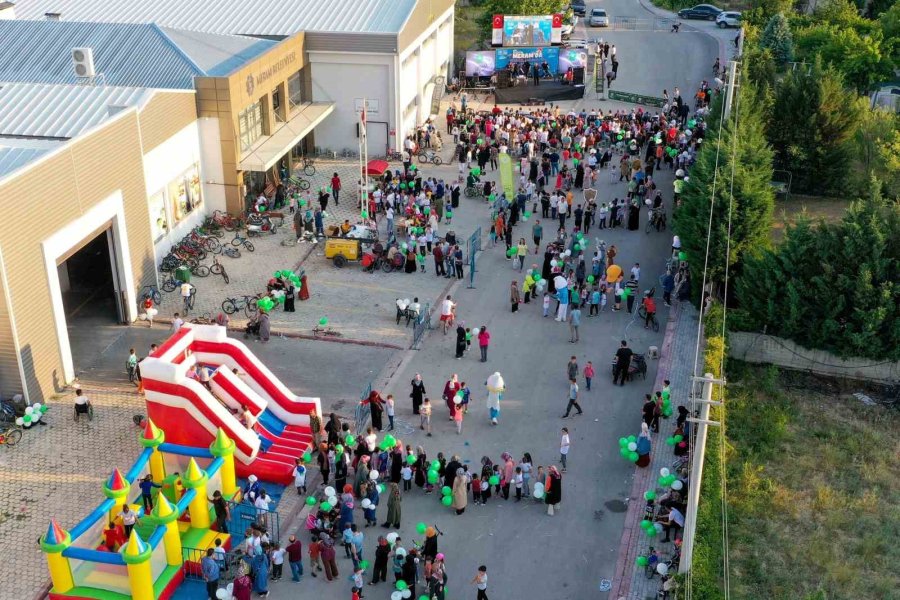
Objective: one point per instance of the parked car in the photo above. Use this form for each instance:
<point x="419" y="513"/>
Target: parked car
<point x="578" y="7"/>
<point x="568" y="27"/>
<point x="599" y="18"/>
<point x="729" y="18"/>
<point x="706" y="12"/>
<point x="575" y="43"/>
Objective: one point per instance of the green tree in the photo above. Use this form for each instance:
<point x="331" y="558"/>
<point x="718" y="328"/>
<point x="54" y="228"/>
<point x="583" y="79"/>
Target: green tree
<point x="518" y="7"/>
<point x="812" y="122"/>
<point x="863" y="58"/>
<point x="834" y="287"/>
<point x="877" y="148"/>
<point x="741" y="150"/>
<point x="777" y="38"/>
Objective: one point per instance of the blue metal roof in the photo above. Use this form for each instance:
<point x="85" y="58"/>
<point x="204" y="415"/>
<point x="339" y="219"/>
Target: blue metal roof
<point x="128" y="55"/>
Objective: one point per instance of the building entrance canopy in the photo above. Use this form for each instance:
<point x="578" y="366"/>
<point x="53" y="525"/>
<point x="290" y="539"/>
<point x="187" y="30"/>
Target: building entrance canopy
<point x="270" y="149"/>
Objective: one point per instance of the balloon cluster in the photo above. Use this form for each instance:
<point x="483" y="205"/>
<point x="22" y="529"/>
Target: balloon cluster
<point x="667" y="479"/>
<point x="388" y="443"/>
<point x="628" y="448"/>
<point x="433" y="475"/>
<point x="226" y="593"/>
<point x="675" y="439"/>
<point x="32" y="415"/>
<point x="651" y="528"/>
<point x="447" y="495"/>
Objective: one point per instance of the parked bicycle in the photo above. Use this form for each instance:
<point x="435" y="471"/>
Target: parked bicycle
<point x="170" y="284"/>
<point x="226" y="221"/>
<point x="216" y="268"/>
<point x="326" y="331"/>
<point x="301" y="183"/>
<point x="150" y="291"/>
<point x="656" y="221"/>
<point x="11" y="435"/>
<point x="240" y="240"/>
<point x="394" y="155"/>
<point x="245" y="303"/>
<point x="309" y="166"/>
<point x="204" y="319"/>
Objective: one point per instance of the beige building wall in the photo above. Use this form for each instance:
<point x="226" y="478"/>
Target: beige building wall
<point x="70" y="182"/>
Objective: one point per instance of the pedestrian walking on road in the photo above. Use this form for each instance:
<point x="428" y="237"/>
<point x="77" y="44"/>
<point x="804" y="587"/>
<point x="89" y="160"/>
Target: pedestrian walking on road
<point x="574" y="323"/>
<point x="335" y="188"/>
<point x="514" y="296"/>
<point x="495" y="386"/>
<point x="572" y="368"/>
<point x="418" y="392"/>
<point x="623" y="361"/>
<point x="425" y="417"/>
<point x="484" y="340"/>
<point x="588" y="374"/>
<point x="393" y="505"/>
<point x="480" y="582"/>
<point x="573" y="398"/>
<point x="564" y="448"/>
<point x="460" y="497"/>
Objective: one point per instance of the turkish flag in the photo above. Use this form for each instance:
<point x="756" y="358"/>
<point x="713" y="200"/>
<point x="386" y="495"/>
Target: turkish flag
<point x="498" y="22"/>
<point x="557" y="21"/>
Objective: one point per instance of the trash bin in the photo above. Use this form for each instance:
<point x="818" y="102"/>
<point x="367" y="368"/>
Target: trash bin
<point x="303" y="294"/>
<point x="183" y="274"/>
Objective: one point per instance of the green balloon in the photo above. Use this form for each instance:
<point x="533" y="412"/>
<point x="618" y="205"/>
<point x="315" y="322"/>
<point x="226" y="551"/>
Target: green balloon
<point x="527" y="214"/>
<point x="649" y="495"/>
<point x="678" y="438"/>
<point x="307" y="456"/>
<point x="339" y="449"/>
<point x="421" y="528"/>
<point x="446" y="491"/>
<point x="401" y="585"/>
<point x="642" y="561"/>
<point x="682" y="256"/>
<point x="670" y="441"/>
<point x="590" y="278"/>
<point x="650" y="531"/>
<point x="350" y="440"/>
<point x="435" y="465"/>
<point x="323" y="321"/>
<point x="381" y="488"/>
<point x="310" y="500"/>
<point x="624" y="452"/>
<point x="494" y="480"/>
<point x="646" y="523"/>
<point x="447" y="500"/>
<point x="326" y="506"/>
<point x="623" y="442"/>
<point x="511" y="252"/>
<point x="433" y="477"/>
<point x="363" y="564"/>
<point x="411" y="459"/>
<point x="364" y="214"/>
<point x="633" y="456"/>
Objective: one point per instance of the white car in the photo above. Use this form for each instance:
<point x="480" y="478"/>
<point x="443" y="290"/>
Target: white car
<point x="578" y="43"/>
<point x="598" y="18"/>
<point x="568" y="27"/>
<point x="729" y="18"/>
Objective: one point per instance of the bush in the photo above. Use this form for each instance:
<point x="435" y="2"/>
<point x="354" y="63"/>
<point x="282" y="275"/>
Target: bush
<point x="777" y="38"/>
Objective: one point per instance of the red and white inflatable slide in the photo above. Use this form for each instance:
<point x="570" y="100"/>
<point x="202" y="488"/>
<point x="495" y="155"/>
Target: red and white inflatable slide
<point x="191" y="414"/>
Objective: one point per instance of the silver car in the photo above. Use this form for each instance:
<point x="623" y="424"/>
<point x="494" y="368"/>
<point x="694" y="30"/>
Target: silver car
<point x="598" y="18"/>
<point x="729" y="18"/>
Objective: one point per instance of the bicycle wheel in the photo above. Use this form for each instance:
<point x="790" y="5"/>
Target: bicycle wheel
<point x="251" y="308"/>
<point x="309" y="170"/>
<point x="215" y="268"/>
<point x="201" y="271"/>
<point x="169" y="285"/>
<point x="642" y="313"/>
<point x="229" y="307"/>
<point x="437" y="160"/>
<point x="156" y="297"/>
<point x="303" y="185"/>
<point x="648" y="226"/>
<point x="12" y="437"/>
<point x="212" y="244"/>
<point x="232" y="252"/>
<point x="423" y="158"/>
<point x="237" y="241"/>
<point x="249" y="246"/>
<point x="225" y="276"/>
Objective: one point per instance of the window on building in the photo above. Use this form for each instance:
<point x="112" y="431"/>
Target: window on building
<point x="159" y="221"/>
<point x="185" y="193"/>
<point x="250" y="123"/>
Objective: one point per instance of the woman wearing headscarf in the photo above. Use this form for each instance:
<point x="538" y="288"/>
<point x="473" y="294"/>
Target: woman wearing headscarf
<point x="421" y="466"/>
<point x="382" y="552"/>
<point x="243" y="587"/>
<point x="396" y="463"/>
<point x="333" y="428"/>
<point x="553" y="490"/>
<point x="514" y="297"/>
<point x="418" y="392"/>
<point x="460" y="339"/>
<point x="643" y="446"/>
<point x="362" y="475"/>
<point x="460" y="498"/>
<point x="260" y="564"/>
<point x="376" y="406"/>
<point x="410" y="571"/>
<point x="393" y="504"/>
<point x="328" y="555"/>
<point x="371" y="492"/>
<point x="450" y="388"/>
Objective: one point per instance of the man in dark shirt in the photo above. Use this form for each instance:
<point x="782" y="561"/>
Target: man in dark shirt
<point x="295" y="558"/>
<point x="623" y="361"/>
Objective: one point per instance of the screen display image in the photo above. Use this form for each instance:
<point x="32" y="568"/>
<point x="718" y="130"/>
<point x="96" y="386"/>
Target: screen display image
<point x="536" y="56"/>
<point x="527" y="31"/>
<point x="570" y="58"/>
<point x="479" y="64"/>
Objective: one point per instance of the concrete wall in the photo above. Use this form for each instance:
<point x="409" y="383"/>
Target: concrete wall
<point x="758" y="348"/>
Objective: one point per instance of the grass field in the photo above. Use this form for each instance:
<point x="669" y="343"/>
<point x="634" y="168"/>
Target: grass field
<point x="815" y="207"/>
<point x="813" y="489"/>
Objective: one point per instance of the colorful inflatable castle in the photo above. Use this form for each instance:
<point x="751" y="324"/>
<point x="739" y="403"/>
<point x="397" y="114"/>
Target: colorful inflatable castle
<point x="96" y="560"/>
<point x="200" y="381"/>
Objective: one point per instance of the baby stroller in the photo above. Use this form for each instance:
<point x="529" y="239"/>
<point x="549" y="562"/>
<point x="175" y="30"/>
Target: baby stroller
<point x="252" y="328"/>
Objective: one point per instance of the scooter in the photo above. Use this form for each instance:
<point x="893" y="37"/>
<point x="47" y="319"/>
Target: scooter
<point x="257" y="224"/>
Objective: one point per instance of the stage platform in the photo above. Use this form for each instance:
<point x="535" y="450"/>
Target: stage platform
<point x="548" y="91"/>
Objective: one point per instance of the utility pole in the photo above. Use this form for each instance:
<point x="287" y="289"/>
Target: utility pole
<point x="730" y="84"/>
<point x="702" y="423"/>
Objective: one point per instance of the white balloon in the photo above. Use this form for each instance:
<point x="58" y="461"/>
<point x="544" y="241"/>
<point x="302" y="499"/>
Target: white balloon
<point x="20" y="421"/>
<point x="230" y="588"/>
<point x="36" y="416"/>
<point x="396" y="596"/>
<point x="221" y="594"/>
<point x="632" y="446"/>
<point x="401" y="552"/>
<point x="392" y="537"/>
<point x="406" y="593"/>
<point x="677" y="485"/>
<point x="329" y="491"/>
<point x="332" y="500"/>
<point x="457" y="399"/>
<point x="366" y="503"/>
<point x="373" y="475"/>
<point x="29" y="410"/>
<point x="662" y="568"/>
<point x="476" y="331"/>
<point x="658" y="527"/>
<point x="27" y="424"/>
<point x="36" y="406"/>
<point x="664" y="472"/>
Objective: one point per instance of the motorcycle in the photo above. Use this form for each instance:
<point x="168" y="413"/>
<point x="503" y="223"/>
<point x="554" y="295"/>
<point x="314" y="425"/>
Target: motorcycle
<point x="257" y="224"/>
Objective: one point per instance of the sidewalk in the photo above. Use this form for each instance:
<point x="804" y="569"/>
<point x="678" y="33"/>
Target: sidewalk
<point x="676" y="364"/>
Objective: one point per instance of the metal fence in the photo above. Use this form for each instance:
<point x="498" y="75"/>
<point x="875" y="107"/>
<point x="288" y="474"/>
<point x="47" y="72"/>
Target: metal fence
<point x="636" y="24"/>
<point x="473" y="246"/>
<point x="421" y="325"/>
<point x="243" y="514"/>
<point x="632" y="98"/>
<point x="190" y="564"/>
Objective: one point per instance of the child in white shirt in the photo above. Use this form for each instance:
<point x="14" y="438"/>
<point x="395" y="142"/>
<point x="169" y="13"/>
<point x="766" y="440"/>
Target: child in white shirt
<point x="277" y="562"/>
<point x="406" y="476"/>
<point x="546" y="304"/>
<point x="389" y="409"/>
<point x="519" y="480"/>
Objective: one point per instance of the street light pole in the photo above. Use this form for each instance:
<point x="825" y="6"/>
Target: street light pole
<point x="690" y="520"/>
<point x="729" y="87"/>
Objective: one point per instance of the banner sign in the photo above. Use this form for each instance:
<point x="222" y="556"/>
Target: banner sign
<point x="535" y="56"/>
<point x="570" y="58"/>
<point x="506" y="176"/>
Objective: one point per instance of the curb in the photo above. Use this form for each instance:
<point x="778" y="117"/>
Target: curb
<point x="643" y="477"/>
